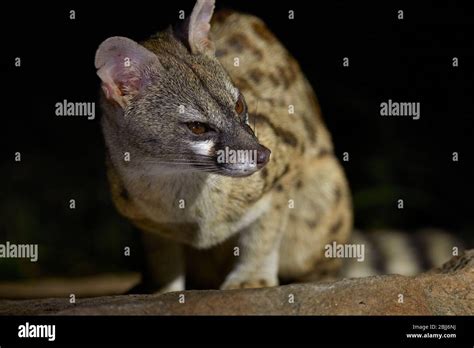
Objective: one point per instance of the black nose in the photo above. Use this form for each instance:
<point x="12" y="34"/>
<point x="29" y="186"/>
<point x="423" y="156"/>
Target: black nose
<point x="263" y="155"/>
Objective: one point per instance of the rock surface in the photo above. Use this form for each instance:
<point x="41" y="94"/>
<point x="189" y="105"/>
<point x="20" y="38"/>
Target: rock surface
<point x="448" y="290"/>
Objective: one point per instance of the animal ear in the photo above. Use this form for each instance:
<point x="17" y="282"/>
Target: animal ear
<point x="198" y="27"/>
<point x="122" y="65"/>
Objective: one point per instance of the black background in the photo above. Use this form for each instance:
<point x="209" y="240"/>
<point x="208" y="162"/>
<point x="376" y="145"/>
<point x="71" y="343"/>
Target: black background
<point x="221" y="330"/>
<point x="390" y="158"/>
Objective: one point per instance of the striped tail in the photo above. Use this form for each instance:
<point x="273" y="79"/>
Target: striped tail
<point x="396" y="252"/>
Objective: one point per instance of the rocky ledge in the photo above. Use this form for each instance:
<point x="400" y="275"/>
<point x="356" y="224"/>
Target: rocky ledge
<point x="448" y="290"/>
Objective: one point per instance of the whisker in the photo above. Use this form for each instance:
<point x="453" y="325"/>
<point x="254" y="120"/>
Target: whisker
<point x="180" y="162"/>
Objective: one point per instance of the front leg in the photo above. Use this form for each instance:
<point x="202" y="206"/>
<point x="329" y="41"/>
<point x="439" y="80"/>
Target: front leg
<point x="164" y="268"/>
<point x="259" y="244"/>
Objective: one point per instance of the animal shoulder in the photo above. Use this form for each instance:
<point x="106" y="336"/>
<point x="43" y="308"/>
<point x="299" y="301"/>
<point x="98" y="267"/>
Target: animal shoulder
<point x="252" y="54"/>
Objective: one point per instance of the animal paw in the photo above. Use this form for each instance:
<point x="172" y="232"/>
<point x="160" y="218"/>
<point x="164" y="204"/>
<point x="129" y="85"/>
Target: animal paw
<point x="248" y="283"/>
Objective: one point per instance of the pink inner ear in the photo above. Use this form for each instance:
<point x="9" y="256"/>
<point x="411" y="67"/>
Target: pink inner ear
<point x="107" y="90"/>
<point x="120" y="76"/>
<point x="199" y="26"/>
<point x="131" y="84"/>
<point x="119" y="82"/>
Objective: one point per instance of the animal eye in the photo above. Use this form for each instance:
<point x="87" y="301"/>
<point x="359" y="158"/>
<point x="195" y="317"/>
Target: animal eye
<point x="239" y="105"/>
<point x="198" y="128"/>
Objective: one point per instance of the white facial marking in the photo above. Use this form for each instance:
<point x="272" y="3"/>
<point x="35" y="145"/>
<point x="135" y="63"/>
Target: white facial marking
<point x="232" y="89"/>
<point x="203" y="147"/>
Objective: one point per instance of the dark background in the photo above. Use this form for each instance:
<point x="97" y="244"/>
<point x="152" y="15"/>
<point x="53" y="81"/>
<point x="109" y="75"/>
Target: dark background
<point x="407" y="60"/>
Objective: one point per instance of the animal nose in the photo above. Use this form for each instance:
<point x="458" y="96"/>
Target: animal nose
<point x="263" y="155"/>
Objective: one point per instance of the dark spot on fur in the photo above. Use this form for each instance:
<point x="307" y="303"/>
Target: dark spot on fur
<point x="264" y="173"/>
<point x="284" y="77"/>
<point x="261" y="118"/>
<point x="278" y="177"/>
<point x="257" y="53"/>
<point x="311" y="224"/>
<point x="285" y="171"/>
<point x="336" y="226"/>
<point x="221" y="52"/>
<point x="337" y="195"/>
<point x="302" y="148"/>
<point x="286" y="136"/>
<point x="256" y="75"/>
<point x="279" y="187"/>
<point x="324" y="153"/>
<point x="274" y="80"/>
<point x="238" y="42"/>
<point x="262" y="31"/>
<point x="293" y="68"/>
<point x="309" y="128"/>
<point x="221" y="16"/>
<point x="230" y="218"/>
<point x="314" y="103"/>
<point x="244" y="85"/>
<point x="289" y="72"/>
<point x="252" y="197"/>
<point x="124" y="194"/>
<point x="199" y="213"/>
<point x="299" y="184"/>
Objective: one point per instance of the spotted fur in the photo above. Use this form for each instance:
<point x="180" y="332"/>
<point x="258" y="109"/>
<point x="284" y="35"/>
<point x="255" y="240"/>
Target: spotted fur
<point x="233" y="232"/>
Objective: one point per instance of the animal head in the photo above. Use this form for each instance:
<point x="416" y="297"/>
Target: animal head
<point x="174" y="102"/>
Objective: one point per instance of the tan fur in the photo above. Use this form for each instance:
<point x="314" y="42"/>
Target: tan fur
<point x="252" y="213"/>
